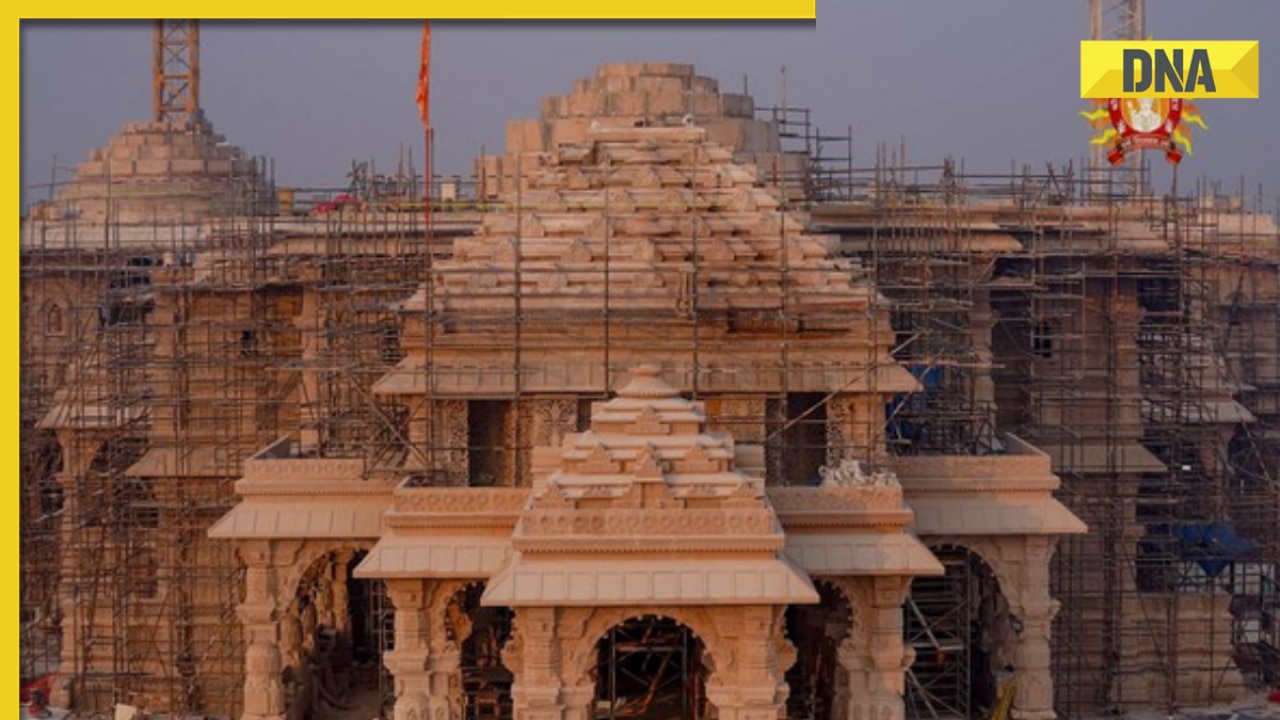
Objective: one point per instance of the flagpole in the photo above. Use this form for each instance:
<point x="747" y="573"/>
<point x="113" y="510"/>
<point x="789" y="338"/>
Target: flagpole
<point x="428" y="172"/>
<point x="428" y="138"/>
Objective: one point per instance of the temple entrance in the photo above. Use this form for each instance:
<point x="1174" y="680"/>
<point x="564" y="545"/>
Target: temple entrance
<point x="650" y="668"/>
<point x="959" y="626"/>
<point x="816" y="631"/>
<point x="486" y="682"/>
<point x="333" y="635"/>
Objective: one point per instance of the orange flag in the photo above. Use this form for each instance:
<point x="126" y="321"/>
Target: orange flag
<point x="424" y="75"/>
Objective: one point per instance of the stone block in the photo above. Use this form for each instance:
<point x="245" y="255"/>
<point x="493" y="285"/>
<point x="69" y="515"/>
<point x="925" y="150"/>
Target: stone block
<point x="680" y="70"/>
<point x="705" y="105"/>
<point x="156" y="152"/>
<point x="151" y="167"/>
<point x="591" y="86"/>
<point x="661" y="103"/>
<point x="613" y="84"/>
<point x="626" y="103"/>
<point x="705" y="85"/>
<point x="725" y="133"/>
<point x="736" y="105"/>
<point x="585" y="105"/>
<point x="189" y="166"/>
<point x="186" y="153"/>
<point x="757" y="136"/>
<point x="569" y="132"/>
<point x="219" y="167"/>
<point x="90" y="169"/>
<point x="660" y="84"/>
<point x="523" y="136"/>
<point x="156" y="139"/>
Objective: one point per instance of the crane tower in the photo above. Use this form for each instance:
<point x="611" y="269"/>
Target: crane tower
<point x="176" y="72"/>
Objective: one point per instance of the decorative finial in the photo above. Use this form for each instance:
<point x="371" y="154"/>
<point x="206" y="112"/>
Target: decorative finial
<point x="646" y="383"/>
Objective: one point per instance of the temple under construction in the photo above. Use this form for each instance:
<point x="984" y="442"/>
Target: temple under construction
<point x="670" y="411"/>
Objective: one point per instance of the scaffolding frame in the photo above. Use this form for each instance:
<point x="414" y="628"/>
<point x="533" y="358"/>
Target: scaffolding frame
<point x="1104" y="346"/>
<point x="151" y="397"/>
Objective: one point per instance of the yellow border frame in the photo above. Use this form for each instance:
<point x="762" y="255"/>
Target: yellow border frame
<point x="475" y="10"/>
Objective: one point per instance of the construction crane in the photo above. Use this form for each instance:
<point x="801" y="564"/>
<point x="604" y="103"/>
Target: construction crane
<point x="175" y="72"/>
<point x="1116" y="20"/>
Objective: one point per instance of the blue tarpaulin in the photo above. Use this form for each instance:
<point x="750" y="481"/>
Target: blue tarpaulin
<point x="1211" y="546"/>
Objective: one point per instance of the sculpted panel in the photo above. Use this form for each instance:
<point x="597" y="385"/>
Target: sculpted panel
<point x="461" y="500"/>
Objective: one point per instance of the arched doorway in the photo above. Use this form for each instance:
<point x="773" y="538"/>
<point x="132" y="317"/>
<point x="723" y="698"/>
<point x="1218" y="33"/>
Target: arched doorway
<point x="816" y="631"/>
<point x="650" y="668"/>
<point x="333" y="636"/>
<point x="486" y="681"/>
<point x="958" y="625"/>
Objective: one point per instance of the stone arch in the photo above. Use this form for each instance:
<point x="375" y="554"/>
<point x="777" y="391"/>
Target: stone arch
<point x="310" y="553"/>
<point x="446" y="635"/>
<point x="650" y="665"/>
<point x="960" y="624"/>
<point x="1000" y="555"/>
<point x="580" y="657"/>
<point x="331" y="628"/>
<point x="823" y="635"/>
<point x="476" y="635"/>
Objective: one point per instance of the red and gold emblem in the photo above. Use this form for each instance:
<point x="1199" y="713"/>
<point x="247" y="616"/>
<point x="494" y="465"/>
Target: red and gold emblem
<point x="1128" y="124"/>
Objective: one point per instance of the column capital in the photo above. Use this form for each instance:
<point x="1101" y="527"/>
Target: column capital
<point x="890" y="590"/>
<point x="407" y="595"/>
<point x="257" y="613"/>
<point x="402" y="661"/>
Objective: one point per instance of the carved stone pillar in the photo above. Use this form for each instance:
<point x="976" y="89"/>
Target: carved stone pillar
<point x="543" y="423"/>
<point x="259" y="615"/>
<point x="742" y="417"/>
<point x="577" y="702"/>
<point x="890" y="658"/>
<point x="535" y="691"/>
<point x="419" y="441"/>
<point x="450" y="430"/>
<point x="306" y="322"/>
<point x="1032" y="605"/>
<point x="750" y="680"/>
<point x="577" y="679"/>
<point x="842" y="435"/>
<point x="341" y="601"/>
<point x="408" y="661"/>
<point x="874" y="658"/>
<point x="850" y="679"/>
<point x="323" y="595"/>
<point x="450" y="627"/>
<point x="444" y="685"/>
<point x="292" y="668"/>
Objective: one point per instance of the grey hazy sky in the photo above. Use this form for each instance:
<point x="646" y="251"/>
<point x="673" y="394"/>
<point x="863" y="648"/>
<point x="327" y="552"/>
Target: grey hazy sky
<point x="989" y="81"/>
